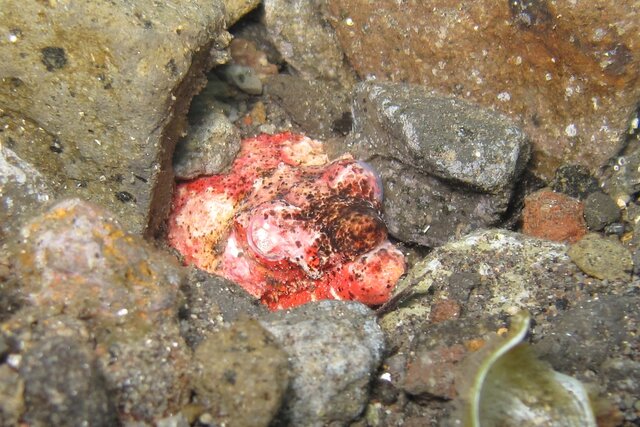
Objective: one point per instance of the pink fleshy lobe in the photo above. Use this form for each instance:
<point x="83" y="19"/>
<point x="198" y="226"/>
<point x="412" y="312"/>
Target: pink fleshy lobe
<point x="289" y="226"/>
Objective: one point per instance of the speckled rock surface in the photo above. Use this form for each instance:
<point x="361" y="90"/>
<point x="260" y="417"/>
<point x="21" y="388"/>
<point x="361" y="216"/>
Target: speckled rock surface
<point x="488" y="272"/>
<point x="602" y="258"/>
<point x="600" y="210"/>
<point x="306" y="41"/>
<point x="112" y="81"/>
<point x="235" y="9"/>
<point x="76" y="258"/>
<point x="63" y="386"/>
<point x="209" y="146"/>
<point x="23" y="190"/>
<point x="448" y="166"/>
<point x="241" y="375"/>
<point x="147" y="370"/>
<point x="423" y="209"/>
<point x="320" y="108"/>
<point x="553" y="216"/>
<point x="53" y="359"/>
<point x="443" y="137"/>
<point x="568" y="71"/>
<point x="11" y="396"/>
<point x="334" y="348"/>
<point x="212" y="303"/>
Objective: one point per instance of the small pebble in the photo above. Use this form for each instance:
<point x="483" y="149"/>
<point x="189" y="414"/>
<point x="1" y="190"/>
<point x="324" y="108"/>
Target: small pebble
<point x="600" y="210"/>
<point x="553" y="216"/>
<point x="602" y="258"/>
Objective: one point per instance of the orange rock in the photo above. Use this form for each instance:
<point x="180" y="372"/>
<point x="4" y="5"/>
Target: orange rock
<point x="553" y="216"/>
<point x="568" y="73"/>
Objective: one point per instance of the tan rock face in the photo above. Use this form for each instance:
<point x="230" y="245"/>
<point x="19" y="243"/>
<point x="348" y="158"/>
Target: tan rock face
<point x="111" y="81"/>
<point x="567" y="70"/>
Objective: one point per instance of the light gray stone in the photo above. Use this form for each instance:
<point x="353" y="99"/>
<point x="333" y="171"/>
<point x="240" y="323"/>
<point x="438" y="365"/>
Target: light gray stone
<point x="334" y="348"/>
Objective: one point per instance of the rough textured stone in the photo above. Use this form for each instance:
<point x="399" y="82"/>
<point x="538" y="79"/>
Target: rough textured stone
<point x="235" y="9"/>
<point x="447" y="166"/>
<point x="147" y="370"/>
<point x="209" y="146"/>
<point x="63" y="386"/>
<point x="433" y="359"/>
<point x="23" y="190"/>
<point x="443" y="137"/>
<point x="490" y="272"/>
<point x="112" y="81"/>
<point x="585" y="336"/>
<point x="600" y="210"/>
<point x="306" y="41"/>
<point x="242" y="375"/>
<point x="318" y="107"/>
<point x="11" y="396"/>
<point x="601" y="257"/>
<point x="76" y="258"/>
<point x="568" y="71"/>
<point x="334" y="348"/>
<point x="212" y="303"/>
<point x="422" y="209"/>
<point x="553" y="216"/>
<point x="575" y="181"/>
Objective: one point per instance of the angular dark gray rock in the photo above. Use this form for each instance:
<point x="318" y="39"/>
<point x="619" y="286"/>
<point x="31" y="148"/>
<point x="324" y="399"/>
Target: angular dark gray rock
<point x="463" y="159"/>
<point x="334" y="349"/>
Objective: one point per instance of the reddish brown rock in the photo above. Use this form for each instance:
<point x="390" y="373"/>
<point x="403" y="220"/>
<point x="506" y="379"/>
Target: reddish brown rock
<point x="553" y="216"/>
<point x="444" y="310"/>
<point x="567" y="70"/>
<point x="433" y="372"/>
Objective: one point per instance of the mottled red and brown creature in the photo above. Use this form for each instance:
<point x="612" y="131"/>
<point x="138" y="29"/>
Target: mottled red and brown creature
<point x="289" y="226"/>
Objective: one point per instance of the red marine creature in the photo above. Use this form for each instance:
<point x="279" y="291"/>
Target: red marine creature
<point x="288" y="226"/>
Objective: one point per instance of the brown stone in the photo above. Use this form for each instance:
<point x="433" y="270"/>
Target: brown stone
<point x="553" y="216"/>
<point x="444" y="310"/>
<point x="433" y="372"/>
<point x="568" y="72"/>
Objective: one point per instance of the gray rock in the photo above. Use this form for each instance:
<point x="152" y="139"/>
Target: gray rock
<point x="306" y="41"/>
<point x="448" y="167"/>
<point x="63" y="386"/>
<point x="443" y="137"/>
<point x="584" y="337"/>
<point x="425" y="210"/>
<point x="334" y="348"/>
<point x="209" y="146"/>
<point x="147" y="369"/>
<point x="487" y="273"/>
<point x="243" y="77"/>
<point x="112" y="81"/>
<point x="241" y="375"/>
<point x="317" y="106"/>
<point x="212" y="303"/>
<point x="76" y="259"/>
<point x="600" y="210"/>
